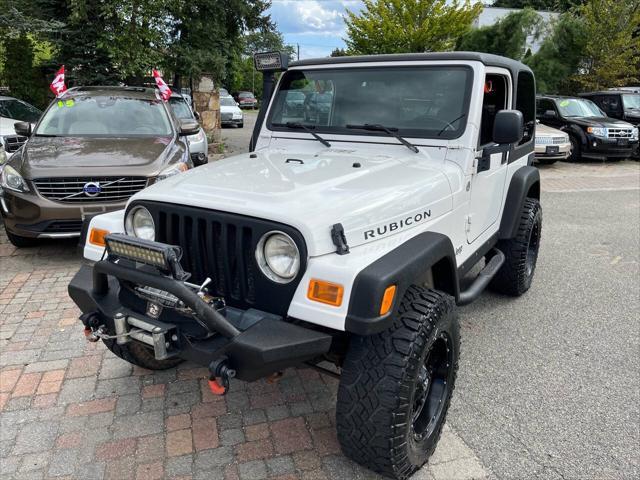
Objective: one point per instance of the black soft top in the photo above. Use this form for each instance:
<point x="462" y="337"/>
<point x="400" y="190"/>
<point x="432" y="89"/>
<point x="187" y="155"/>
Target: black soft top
<point x="486" y="58"/>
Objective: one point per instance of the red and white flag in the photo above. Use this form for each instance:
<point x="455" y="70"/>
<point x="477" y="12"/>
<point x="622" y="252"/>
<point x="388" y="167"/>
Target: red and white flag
<point x="165" y="91"/>
<point x="57" y="86"/>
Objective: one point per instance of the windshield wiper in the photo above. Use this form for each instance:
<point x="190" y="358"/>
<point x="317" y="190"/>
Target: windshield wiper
<point x="450" y="124"/>
<point x="393" y="131"/>
<point x="46" y="135"/>
<point x="306" y="128"/>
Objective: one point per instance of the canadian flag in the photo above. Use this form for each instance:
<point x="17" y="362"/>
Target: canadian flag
<point x="165" y="91"/>
<point x="57" y="86"/>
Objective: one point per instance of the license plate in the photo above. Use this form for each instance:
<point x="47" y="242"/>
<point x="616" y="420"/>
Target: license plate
<point x="553" y="150"/>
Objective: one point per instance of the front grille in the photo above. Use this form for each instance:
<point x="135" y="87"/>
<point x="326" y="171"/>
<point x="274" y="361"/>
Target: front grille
<point x="89" y="189"/>
<point x="620" y="133"/>
<point x="551" y="140"/>
<point x="13" y="142"/>
<point x="64" y="226"/>
<point x="222" y="246"/>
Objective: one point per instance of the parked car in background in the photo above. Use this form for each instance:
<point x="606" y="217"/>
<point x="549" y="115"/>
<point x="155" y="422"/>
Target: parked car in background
<point x="591" y="132"/>
<point x="621" y="104"/>
<point x="198" y="144"/>
<point x="13" y="110"/>
<point x="633" y="89"/>
<point x="294" y="104"/>
<point x="230" y="113"/>
<point x="246" y="100"/>
<point x="551" y="145"/>
<point x="223" y="92"/>
<point x="93" y="148"/>
<point x="317" y="107"/>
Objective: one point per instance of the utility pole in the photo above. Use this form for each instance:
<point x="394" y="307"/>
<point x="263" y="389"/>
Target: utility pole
<point x="298" y="50"/>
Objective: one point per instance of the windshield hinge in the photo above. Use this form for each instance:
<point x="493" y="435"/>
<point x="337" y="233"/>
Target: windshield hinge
<point x="339" y="239"/>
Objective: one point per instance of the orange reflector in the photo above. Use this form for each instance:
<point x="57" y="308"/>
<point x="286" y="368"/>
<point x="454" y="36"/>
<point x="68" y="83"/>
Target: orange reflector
<point x="97" y="236"/>
<point x="387" y="299"/>
<point x="325" y="292"/>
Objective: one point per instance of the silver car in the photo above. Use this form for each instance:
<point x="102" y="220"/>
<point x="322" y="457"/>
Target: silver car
<point x="551" y="145"/>
<point x="198" y="145"/>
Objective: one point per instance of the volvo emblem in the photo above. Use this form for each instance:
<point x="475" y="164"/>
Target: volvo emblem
<point x="92" y="189"/>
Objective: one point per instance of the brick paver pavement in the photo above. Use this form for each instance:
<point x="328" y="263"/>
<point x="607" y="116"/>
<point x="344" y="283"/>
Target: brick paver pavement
<point x="71" y="409"/>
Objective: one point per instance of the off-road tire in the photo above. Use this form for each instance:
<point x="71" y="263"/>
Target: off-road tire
<point x="379" y="385"/>
<point x="138" y="354"/>
<point x="21" y="242"/>
<point x="515" y="276"/>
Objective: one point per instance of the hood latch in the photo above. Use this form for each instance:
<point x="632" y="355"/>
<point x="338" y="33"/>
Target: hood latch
<point x="339" y="239"/>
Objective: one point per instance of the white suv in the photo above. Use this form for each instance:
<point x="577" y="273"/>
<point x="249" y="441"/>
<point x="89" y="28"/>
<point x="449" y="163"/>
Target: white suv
<point x="343" y="240"/>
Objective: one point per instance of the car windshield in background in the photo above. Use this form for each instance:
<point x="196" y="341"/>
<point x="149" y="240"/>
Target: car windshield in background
<point x="180" y="108"/>
<point x="577" y="107"/>
<point x="17" y="110"/>
<point x="227" y="102"/>
<point x="105" y="116"/>
<point x="425" y="102"/>
<point x="245" y="94"/>
<point x="631" y="100"/>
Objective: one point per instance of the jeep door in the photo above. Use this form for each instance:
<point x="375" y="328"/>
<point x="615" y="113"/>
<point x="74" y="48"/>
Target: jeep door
<point x="487" y="184"/>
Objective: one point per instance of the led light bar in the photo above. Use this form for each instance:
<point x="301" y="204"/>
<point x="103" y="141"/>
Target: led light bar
<point x="271" y="61"/>
<point x="159" y="255"/>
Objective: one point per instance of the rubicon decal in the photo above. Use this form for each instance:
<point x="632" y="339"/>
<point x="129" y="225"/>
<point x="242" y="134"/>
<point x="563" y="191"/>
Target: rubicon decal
<point x="397" y="225"/>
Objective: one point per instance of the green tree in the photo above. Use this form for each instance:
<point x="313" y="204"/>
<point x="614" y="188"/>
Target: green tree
<point x="561" y="56"/>
<point x="397" y="26"/>
<point x="550" y="5"/>
<point x="19" y="73"/>
<point x="612" y="54"/>
<point x="507" y="37"/>
<point x="339" y="52"/>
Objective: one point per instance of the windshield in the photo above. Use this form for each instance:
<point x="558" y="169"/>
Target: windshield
<point x="105" y="116"/>
<point x="180" y="108"/>
<point x="578" y="107"/>
<point x="427" y="102"/>
<point x="631" y="100"/>
<point x="19" y="110"/>
<point x="227" y="102"/>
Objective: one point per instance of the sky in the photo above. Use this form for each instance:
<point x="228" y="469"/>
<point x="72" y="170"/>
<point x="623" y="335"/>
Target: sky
<point x="316" y="25"/>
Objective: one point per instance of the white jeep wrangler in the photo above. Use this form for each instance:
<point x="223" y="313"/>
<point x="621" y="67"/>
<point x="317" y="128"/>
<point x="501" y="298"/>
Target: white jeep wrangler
<point x="374" y="185"/>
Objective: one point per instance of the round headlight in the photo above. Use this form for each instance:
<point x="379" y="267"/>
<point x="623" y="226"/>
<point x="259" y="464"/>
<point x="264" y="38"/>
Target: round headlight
<point x="139" y="223"/>
<point x="278" y="257"/>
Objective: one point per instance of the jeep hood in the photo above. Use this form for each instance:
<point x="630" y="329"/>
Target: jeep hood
<point x="83" y="156"/>
<point x="312" y="192"/>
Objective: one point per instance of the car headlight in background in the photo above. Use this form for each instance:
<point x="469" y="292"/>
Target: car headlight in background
<point x="636" y="133"/>
<point x="12" y="180"/>
<point x="278" y="257"/>
<point x="139" y="223"/>
<point x="198" y="137"/>
<point x="172" y="170"/>
<point x="597" y="131"/>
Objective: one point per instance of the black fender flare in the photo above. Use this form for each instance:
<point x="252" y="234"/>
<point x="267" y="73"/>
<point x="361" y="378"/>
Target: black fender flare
<point x="576" y="131"/>
<point x="403" y="266"/>
<point x="525" y="182"/>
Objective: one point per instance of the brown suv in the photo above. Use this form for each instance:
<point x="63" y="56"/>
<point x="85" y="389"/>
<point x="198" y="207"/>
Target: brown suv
<point x="92" y="149"/>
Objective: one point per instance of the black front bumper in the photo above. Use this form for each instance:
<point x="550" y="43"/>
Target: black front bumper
<point x="599" y="148"/>
<point x="254" y="343"/>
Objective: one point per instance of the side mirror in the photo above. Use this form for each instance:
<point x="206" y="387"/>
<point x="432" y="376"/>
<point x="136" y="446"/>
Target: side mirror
<point x="196" y="115"/>
<point x="22" y="128"/>
<point x="550" y="114"/>
<point x="189" y="127"/>
<point x="508" y="127"/>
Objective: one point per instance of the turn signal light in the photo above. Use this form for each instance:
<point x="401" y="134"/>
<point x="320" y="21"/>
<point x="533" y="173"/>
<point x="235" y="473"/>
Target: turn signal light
<point x="387" y="299"/>
<point x="325" y="292"/>
<point x="97" y="237"/>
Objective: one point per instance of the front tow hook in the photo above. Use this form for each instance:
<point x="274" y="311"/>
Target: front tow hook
<point x="219" y="376"/>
